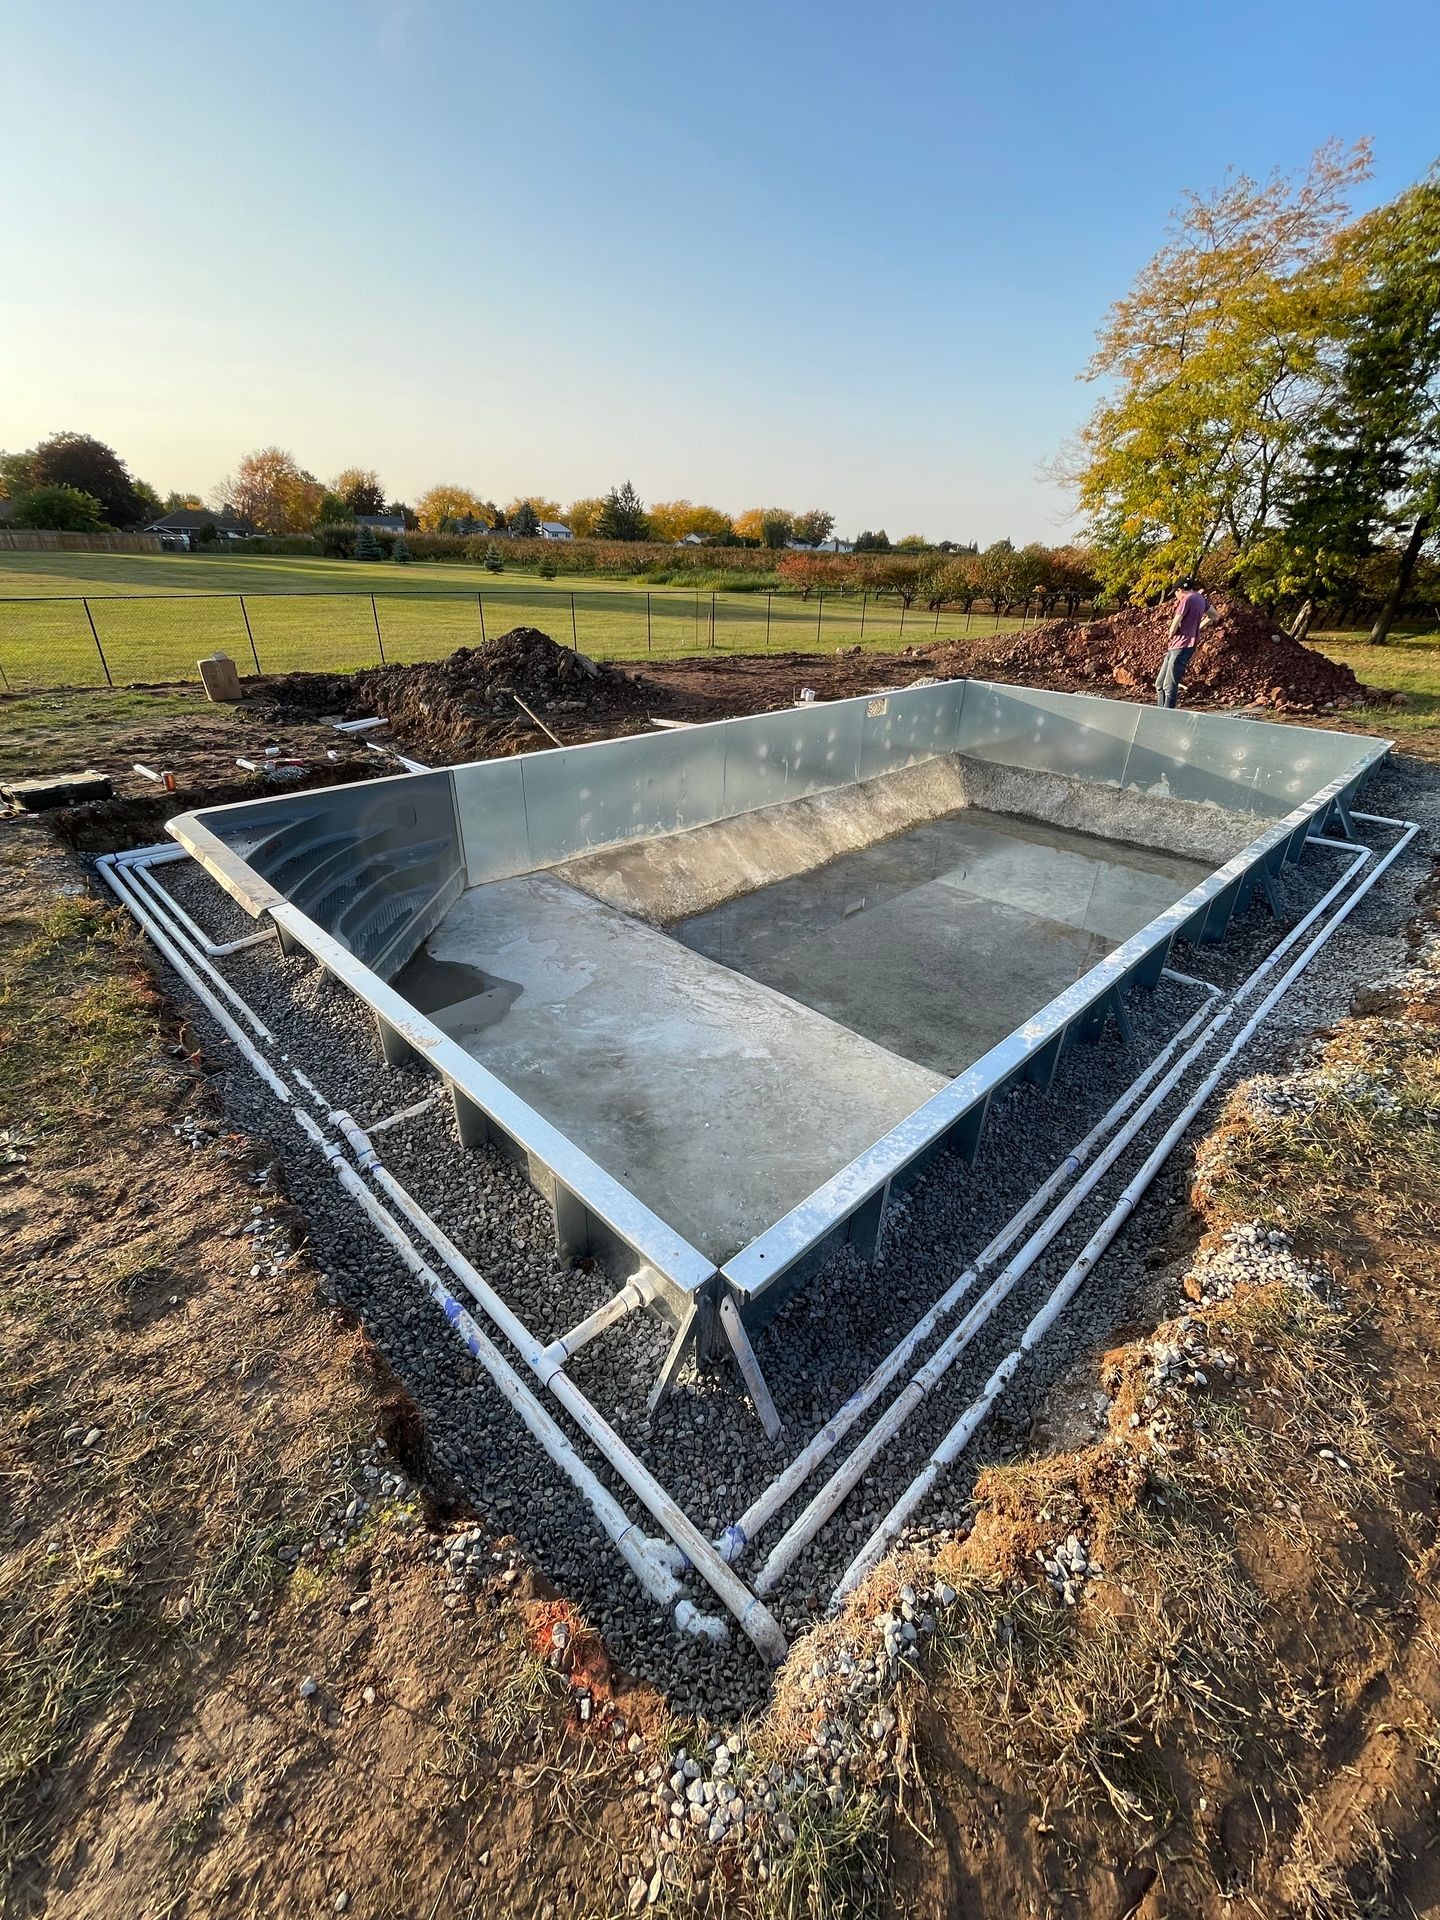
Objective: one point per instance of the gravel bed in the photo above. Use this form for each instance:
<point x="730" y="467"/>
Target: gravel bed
<point x="706" y="1445"/>
<point x="206" y="902"/>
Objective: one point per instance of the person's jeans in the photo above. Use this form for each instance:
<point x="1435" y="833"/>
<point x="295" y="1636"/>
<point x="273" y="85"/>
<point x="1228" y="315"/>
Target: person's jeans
<point x="1172" y="672"/>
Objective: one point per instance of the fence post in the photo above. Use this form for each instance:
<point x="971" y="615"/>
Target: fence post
<point x="647" y="621"/>
<point x="864" y="603"/>
<point x="98" y="648"/>
<point x="712" y="621"/>
<point x="480" y="603"/>
<point x="574" y="636"/>
<point x="375" y="612"/>
<point x="245" y="616"/>
<point x="767" y="622"/>
<point x="902" y="616"/>
<point x="937" y="617"/>
<point x="819" y="616"/>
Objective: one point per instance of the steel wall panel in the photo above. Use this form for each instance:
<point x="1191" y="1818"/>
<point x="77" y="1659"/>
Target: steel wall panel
<point x="776" y="757"/>
<point x="490" y="805"/>
<point x="1045" y="732"/>
<point x="899" y="729"/>
<point x="577" y="798"/>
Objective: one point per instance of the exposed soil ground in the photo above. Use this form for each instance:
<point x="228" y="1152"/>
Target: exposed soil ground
<point x="1243" y="659"/>
<point x="1241" y="1711"/>
<point x="469" y="704"/>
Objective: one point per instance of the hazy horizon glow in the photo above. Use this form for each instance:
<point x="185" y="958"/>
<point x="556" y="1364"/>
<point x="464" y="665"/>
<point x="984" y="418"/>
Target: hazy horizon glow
<point x="818" y="258"/>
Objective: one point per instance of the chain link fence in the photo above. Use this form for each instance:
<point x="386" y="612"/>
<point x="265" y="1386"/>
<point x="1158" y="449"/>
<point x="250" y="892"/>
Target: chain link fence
<point x="145" y="639"/>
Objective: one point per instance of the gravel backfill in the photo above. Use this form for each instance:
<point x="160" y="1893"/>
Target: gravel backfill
<point x="706" y="1445"/>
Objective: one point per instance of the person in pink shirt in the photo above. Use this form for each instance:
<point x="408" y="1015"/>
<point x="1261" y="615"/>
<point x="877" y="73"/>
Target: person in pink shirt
<point x="1192" y="610"/>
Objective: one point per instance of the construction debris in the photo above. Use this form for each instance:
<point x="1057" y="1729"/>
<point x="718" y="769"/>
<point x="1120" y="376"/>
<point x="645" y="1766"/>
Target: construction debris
<point x="58" y="790"/>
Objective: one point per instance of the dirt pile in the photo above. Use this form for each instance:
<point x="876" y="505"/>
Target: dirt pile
<point x="467" y="702"/>
<point x="1243" y="659"/>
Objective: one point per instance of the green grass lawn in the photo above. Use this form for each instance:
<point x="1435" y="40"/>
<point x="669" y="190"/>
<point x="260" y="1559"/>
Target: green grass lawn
<point x="154" y="615"/>
<point x="1409" y="664"/>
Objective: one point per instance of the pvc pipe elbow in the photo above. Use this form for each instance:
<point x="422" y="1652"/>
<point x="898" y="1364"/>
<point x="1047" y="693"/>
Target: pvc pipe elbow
<point x="705" y="1626"/>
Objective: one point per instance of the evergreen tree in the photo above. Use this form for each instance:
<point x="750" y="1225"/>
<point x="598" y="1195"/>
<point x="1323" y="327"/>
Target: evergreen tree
<point x="493" y="562"/>
<point x="367" y="547"/>
<point x="400" y="553"/>
<point x="525" y="521"/>
<point x="623" y="516"/>
<point x="1373" y="467"/>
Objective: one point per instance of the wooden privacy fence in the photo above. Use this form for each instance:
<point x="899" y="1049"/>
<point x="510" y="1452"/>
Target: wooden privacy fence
<point x="26" y="540"/>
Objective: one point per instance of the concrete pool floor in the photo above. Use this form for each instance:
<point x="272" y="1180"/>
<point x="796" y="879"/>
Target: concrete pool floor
<point x="938" y="944"/>
<point x="724" y="1074"/>
<point x="717" y="1101"/>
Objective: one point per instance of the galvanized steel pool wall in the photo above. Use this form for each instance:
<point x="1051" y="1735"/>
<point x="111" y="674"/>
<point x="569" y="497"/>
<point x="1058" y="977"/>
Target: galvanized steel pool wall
<point x="360" y="876"/>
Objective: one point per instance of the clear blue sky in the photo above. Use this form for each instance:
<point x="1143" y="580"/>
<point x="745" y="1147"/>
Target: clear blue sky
<point x="823" y="255"/>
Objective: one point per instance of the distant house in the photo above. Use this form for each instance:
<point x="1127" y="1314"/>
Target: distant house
<point x="382" y="522"/>
<point x="181" y="530"/>
<point x="555" y="530"/>
<point x="692" y="540"/>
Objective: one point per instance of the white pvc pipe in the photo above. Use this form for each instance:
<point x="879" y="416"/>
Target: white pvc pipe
<point x="830" y="1496"/>
<point x="630" y="1296"/>
<point x="757" y="1623"/>
<point x="215" y="949"/>
<point x="960" y="1434"/>
<point x="119" y="884"/>
<point x="762" y="1510"/>
<point x="151" y="916"/>
<point x="623" y="1534"/>
<point x="649" y="1570"/>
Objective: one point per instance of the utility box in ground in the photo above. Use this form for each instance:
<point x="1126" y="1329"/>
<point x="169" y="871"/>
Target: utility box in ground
<point x="220" y="677"/>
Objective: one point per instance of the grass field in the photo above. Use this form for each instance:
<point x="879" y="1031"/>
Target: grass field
<point x="156" y="614"/>
<point x="192" y="604"/>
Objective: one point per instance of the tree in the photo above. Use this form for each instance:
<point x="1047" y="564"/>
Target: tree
<point x="524" y="520"/>
<point x="179" y="502"/>
<point x="494" y="559"/>
<point x="81" y="461"/>
<point x="150" y="502"/>
<point x="404" y="513"/>
<point x="442" y="505"/>
<point x="1373" y="466"/>
<point x="868" y="542"/>
<point x="542" y="508"/>
<point x="17" y="474"/>
<point x="367" y="547"/>
<point x="810" y="572"/>
<point x="901" y="575"/>
<point x="269" y="488"/>
<point x="912" y="543"/>
<point x="623" y="516"/>
<point x="675" y="519"/>
<point x="1214" y="361"/>
<point x="583" y="516"/>
<point x="400" y="552"/>
<point x="997" y="574"/>
<point x="361" y="490"/>
<point x="767" y="526"/>
<point x="59" y="510"/>
<point x="814" y="527"/>
<point x="333" y="509"/>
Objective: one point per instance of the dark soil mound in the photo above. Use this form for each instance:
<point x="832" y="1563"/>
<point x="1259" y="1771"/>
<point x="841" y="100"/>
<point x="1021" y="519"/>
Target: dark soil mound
<point x="467" y="702"/>
<point x="1243" y="658"/>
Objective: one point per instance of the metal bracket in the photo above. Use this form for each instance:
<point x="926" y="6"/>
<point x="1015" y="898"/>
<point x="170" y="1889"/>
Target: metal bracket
<point x="675" y="1359"/>
<point x="750" y="1369"/>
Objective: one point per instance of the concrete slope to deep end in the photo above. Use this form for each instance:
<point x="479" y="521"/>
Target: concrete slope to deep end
<point x="717" y="1101"/>
<point x="938" y="944"/>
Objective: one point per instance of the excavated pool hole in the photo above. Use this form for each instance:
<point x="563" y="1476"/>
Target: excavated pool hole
<point x="729" y="1022"/>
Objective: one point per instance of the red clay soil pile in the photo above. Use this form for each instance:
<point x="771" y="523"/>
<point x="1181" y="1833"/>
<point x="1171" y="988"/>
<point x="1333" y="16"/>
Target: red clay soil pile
<point x="468" y="701"/>
<point x="1243" y="659"/>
